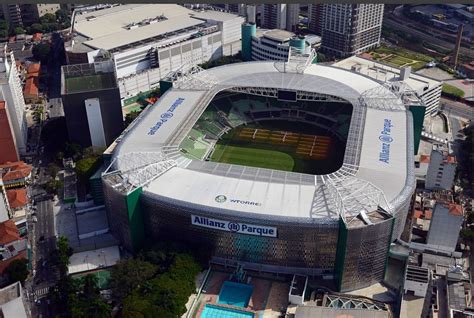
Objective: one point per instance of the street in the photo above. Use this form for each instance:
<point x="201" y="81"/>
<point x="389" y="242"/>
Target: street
<point x="452" y="108"/>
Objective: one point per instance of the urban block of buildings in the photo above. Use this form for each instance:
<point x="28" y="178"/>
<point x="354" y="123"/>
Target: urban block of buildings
<point x="148" y="41"/>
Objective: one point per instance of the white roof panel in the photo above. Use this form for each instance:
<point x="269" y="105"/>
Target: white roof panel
<point x="386" y="170"/>
<point x="159" y="122"/>
<point x="244" y="195"/>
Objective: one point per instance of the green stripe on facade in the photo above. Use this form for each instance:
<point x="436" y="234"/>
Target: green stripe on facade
<point x="135" y="218"/>
<point x="341" y="253"/>
<point x="418" y="113"/>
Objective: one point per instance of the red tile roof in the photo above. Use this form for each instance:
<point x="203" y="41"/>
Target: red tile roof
<point x="17" y="198"/>
<point x="31" y="88"/>
<point x="14" y="170"/>
<point x="6" y="263"/>
<point x="33" y="68"/>
<point x="451" y="159"/>
<point x="455" y="209"/>
<point x="8" y="232"/>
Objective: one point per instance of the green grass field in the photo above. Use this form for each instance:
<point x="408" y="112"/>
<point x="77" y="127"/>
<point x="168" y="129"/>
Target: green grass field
<point x="91" y="82"/>
<point x="234" y="150"/>
<point x="253" y="157"/>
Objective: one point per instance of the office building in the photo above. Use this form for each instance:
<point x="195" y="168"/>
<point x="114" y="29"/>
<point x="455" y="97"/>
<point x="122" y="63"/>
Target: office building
<point x="349" y="29"/>
<point x="91" y="101"/>
<point x="441" y="169"/>
<point x="11" y="93"/>
<point x="31" y="13"/>
<point x="148" y="41"/>
<point x="26" y="14"/>
<point x="280" y="16"/>
<point x="445" y="225"/>
<point x="315" y="16"/>
<point x="272" y="45"/>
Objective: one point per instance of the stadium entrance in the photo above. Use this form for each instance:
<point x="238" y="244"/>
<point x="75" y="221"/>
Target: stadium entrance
<point x="249" y="130"/>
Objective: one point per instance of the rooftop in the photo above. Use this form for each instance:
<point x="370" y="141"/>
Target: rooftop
<point x="275" y="193"/>
<point x="11" y="302"/>
<point x="118" y="26"/>
<point x="89" y="83"/>
<point x="382" y="72"/>
<point x="17" y="198"/>
<point x="8" y="232"/>
<point x="11" y="171"/>
<point x="278" y="35"/>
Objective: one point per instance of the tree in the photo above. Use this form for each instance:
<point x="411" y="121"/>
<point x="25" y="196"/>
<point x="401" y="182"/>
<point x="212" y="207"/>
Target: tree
<point x="86" y="167"/>
<point x="53" y="169"/>
<point x="135" y="306"/>
<point x="63" y="254"/>
<point x="48" y="18"/>
<point x="52" y="186"/>
<point x="19" y="30"/>
<point x="18" y="270"/>
<point x="62" y="16"/>
<point x="130" y="117"/>
<point x="128" y="274"/>
<point x="41" y="52"/>
<point x="36" y="28"/>
<point x="73" y="150"/>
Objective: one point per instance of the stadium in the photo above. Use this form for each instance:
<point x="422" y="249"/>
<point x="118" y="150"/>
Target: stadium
<point x="285" y="167"/>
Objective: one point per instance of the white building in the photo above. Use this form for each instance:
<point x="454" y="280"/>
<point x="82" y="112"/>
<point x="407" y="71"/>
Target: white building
<point x="274" y="45"/>
<point x="12" y="93"/>
<point x="441" y="170"/>
<point x="280" y="16"/>
<point x="417" y="280"/>
<point x="428" y="89"/>
<point x="445" y="225"/>
<point x="147" y="41"/>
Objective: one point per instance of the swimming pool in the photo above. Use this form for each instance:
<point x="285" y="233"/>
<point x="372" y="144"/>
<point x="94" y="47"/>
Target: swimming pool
<point x="235" y="294"/>
<point x="211" y="311"/>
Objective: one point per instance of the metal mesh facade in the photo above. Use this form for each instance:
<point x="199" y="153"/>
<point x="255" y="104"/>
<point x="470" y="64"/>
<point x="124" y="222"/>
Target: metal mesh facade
<point x="364" y="254"/>
<point x="301" y="245"/>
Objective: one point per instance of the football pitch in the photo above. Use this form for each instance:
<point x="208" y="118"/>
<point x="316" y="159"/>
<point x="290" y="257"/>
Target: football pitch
<point x="274" y="149"/>
<point x="253" y="157"/>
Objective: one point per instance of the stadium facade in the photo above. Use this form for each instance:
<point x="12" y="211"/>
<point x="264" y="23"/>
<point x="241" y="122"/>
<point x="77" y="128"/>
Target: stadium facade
<point x="338" y="225"/>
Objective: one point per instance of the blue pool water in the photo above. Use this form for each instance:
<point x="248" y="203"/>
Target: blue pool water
<point x="211" y="311"/>
<point x="235" y="294"/>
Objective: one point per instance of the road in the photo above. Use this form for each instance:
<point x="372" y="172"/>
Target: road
<point x="412" y="29"/>
<point x="452" y="108"/>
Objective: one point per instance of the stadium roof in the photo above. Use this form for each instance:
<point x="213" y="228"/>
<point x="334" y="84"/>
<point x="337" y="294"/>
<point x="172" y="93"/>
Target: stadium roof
<point x="148" y="155"/>
<point x="107" y="28"/>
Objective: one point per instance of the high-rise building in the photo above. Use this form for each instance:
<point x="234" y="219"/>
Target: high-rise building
<point x="315" y="12"/>
<point x="292" y="16"/>
<point x="349" y="29"/>
<point x="11" y="93"/>
<point x="31" y="13"/>
<point x="11" y="13"/>
<point x="273" y="16"/>
<point x="91" y="100"/>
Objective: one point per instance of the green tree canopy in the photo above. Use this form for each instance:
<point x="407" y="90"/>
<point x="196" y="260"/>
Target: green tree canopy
<point x="41" y="52"/>
<point x="18" y="270"/>
<point x="48" y="18"/>
<point x="19" y="30"/>
<point x="128" y="274"/>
